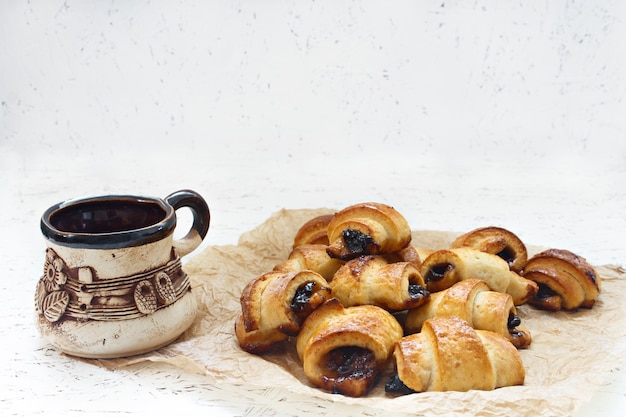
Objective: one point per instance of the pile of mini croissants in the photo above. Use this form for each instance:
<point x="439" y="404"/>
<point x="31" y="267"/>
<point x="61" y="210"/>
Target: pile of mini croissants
<point x="354" y="294"/>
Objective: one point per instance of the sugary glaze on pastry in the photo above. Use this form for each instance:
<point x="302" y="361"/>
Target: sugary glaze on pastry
<point x="497" y="241"/>
<point x="449" y="355"/>
<point x="473" y="301"/>
<point x="372" y="280"/>
<point x="314" y="231"/>
<point x="343" y="349"/>
<point x="367" y="229"/>
<point x="566" y="281"/>
<point x="275" y="304"/>
<point x="445" y="267"/>
<point x="312" y="257"/>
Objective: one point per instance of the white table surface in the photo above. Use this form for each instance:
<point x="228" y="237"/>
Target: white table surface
<point x="459" y="115"/>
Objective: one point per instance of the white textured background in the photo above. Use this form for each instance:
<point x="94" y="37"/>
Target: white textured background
<point x="460" y="113"/>
<point x="317" y="77"/>
<point x="267" y="104"/>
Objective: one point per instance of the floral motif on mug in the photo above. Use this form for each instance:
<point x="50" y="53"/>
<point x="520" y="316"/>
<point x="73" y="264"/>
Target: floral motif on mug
<point x="50" y="298"/>
<point x="54" y="275"/>
<point x="76" y="293"/>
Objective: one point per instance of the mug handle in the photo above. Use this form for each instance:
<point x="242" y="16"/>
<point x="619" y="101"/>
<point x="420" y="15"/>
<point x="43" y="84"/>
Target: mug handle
<point x="201" y="219"/>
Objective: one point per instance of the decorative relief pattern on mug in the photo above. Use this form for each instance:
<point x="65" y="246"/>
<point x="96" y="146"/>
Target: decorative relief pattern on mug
<point x="65" y="293"/>
<point x="50" y="298"/>
<point x="54" y="276"/>
<point x="165" y="288"/>
<point x="145" y="297"/>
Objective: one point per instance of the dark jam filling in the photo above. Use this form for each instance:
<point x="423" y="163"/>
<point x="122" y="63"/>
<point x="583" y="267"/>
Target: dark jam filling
<point x="395" y="385"/>
<point x="358" y="243"/>
<point x="544" y="292"/>
<point x="508" y="255"/>
<point x="416" y="291"/>
<point x="512" y="324"/>
<point x="349" y="363"/>
<point x="438" y="272"/>
<point x="513" y="321"/>
<point x="300" y="301"/>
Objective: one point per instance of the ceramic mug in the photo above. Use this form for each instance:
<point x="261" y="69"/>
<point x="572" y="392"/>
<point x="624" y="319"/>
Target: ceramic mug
<point x="113" y="283"/>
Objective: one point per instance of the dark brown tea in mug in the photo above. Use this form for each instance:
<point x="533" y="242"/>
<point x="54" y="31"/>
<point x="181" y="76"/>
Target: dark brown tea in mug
<point x="107" y="216"/>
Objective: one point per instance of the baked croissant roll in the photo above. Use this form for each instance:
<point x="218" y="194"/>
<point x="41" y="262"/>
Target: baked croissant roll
<point x="312" y="257"/>
<point x="449" y="355"/>
<point x="367" y="229"/>
<point x="274" y="305"/>
<point x="410" y="253"/>
<point x="445" y="267"/>
<point x="473" y="301"/>
<point x="313" y="231"/>
<point x="566" y="281"/>
<point x="497" y="241"/>
<point x="372" y="280"/>
<point x="343" y="350"/>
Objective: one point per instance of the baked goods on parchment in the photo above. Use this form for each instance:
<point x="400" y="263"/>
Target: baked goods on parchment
<point x="372" y="280"/>
<point x="274" y="305"/>
<point x="497" y="241"/>
<point x="312" y="257"/>
<point x="353" y="286"/>
<point x="313" y="231"/>
<point x="566" y="281"/>
<point x="445" y="267"/>
<point x="410" y="253"/>
<point x="367" y="229"/>
<point x="449" y="355"/>
<point x="473" y="301"/>
<point x="343" y="349"/>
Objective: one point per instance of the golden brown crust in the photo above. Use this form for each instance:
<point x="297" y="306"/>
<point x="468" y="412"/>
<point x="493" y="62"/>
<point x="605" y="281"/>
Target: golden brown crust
<point x="409" y="254"/>
<point x="251" y="299"/>
<point x="372" y="280"/>
<point x="278" y="302"/>
<point x="313" y="231"/>
<point x="443" y="268"/>
<point x="473" y="301"/>
<point x="423" y="253"/>
<point x="312" y="257"/>
<point x="366" y="332"/>
<point x="257" y="341"/>
<point x="566" y="281"/>
<point x="497" y="241"/>
<point x="448" y="355"/>
<point x="506" y="361"/>
<point x="367" y="229"/>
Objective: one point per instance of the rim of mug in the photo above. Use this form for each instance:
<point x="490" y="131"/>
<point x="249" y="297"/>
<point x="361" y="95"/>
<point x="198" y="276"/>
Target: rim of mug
<point x="109" y="240"/>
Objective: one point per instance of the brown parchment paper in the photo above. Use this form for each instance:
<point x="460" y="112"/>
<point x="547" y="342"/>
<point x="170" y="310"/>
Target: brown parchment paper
<point x="569" y="359"/>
